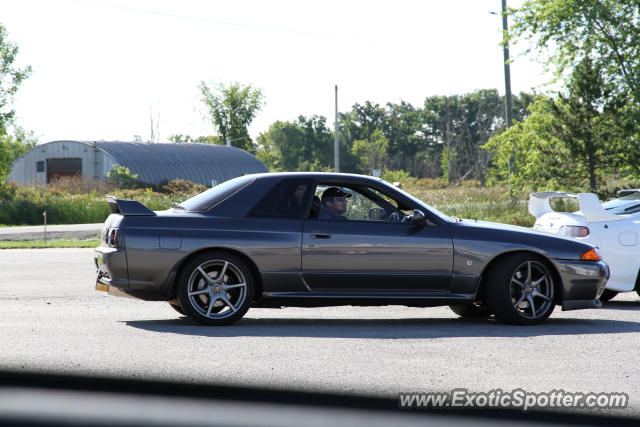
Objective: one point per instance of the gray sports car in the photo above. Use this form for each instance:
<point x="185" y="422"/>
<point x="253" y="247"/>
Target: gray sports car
<point x="324" y="239"/>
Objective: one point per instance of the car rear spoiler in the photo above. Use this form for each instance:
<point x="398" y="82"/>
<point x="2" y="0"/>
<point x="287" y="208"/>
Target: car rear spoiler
<point x="626" y="192"/>
<point x="128" y="207"/>
<point x="588" y="203"/>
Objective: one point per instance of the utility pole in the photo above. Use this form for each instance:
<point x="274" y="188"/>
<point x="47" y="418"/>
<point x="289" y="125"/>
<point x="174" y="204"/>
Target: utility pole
<point x="508" y="102"/>
<point x="507" y="71"/>
<point x="336" y="146"/>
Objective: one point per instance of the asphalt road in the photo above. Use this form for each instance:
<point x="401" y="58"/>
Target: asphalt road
<point x="53" y="321"/>
<point x="64" y="231"/>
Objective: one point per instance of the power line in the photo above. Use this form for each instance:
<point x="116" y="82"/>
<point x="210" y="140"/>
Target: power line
<point x="227" y="23"/>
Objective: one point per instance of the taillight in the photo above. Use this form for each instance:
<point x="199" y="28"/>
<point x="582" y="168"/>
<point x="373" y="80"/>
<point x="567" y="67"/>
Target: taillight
<point x="590" y="255"/>
<point x="114" y="239"/>
<point x="573" y="231"/>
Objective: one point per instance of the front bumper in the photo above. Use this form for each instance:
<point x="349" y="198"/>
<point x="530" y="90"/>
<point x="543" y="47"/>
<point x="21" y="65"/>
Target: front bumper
<point x="582" y="283"/>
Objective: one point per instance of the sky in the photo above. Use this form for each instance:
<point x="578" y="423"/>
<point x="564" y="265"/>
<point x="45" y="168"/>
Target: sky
<point x="103" y="68"/>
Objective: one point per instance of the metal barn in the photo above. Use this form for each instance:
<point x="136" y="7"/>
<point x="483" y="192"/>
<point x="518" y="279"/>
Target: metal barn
<point x="205" y="164"/>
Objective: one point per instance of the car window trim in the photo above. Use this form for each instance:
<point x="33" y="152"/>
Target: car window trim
<point x="433" y="220"/>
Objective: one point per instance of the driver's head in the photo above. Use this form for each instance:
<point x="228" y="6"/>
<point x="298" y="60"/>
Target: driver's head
<point x="335" y="200"/>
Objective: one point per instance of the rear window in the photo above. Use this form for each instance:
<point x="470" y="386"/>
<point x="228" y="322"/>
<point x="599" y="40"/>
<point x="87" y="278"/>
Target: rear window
<point x="206" y="200"/>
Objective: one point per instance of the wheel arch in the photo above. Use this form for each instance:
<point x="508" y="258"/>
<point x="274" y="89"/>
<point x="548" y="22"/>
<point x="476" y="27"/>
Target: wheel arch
<point x="480" y="293"/>
<point x="175" y="272"/>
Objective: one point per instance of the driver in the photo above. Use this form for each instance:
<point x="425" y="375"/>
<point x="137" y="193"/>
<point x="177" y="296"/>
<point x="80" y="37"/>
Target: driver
<point x="334" y="204"/>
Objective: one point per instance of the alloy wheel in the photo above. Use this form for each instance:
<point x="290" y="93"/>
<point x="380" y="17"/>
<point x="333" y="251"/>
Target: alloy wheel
<point x="217" y="289"/>
<point x="531" y="289"/>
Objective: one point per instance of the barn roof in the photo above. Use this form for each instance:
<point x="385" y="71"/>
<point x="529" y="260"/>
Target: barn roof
<point x="199" y="163"/>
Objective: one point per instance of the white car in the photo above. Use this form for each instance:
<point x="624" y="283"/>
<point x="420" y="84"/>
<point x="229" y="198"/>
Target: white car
<point x="612" y="227"/>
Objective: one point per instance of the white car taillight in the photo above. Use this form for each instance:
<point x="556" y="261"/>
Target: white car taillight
<point x="573" y="231"/>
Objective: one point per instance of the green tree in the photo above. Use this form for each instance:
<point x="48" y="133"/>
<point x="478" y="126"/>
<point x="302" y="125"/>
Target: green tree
<point x="303" y="145"/>
<point x="362" y="121"/>
<point x="586" y="123"/>
<point x="370" y="153"/>
<point x="408" y="146"/>
<point x="232" y="108"/>
<point x="457" y="126"/>
<point x="318" y="143"/>
<point x="5" y="159"/>
<point x="566" y="143"/>
<point x="210" y="139"/>
<point x="541" y="157"/>
<point x="284" y="141"/>
<point x="606" y="30"/>
<point x="10" y="79"/>
<point x="11" y="147"/>
<point x="180" y="138"/>
<point x="358" y="124"/>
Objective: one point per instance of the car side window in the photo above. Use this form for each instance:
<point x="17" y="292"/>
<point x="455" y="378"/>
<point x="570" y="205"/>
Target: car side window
<point x="334" y="202"/>
<point x="288" y="199"/>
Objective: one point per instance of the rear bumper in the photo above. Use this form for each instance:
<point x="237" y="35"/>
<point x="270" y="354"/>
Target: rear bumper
<point x="112" y="277"/>
<point x="582" y="283"/>
<point x="111" y="266"/>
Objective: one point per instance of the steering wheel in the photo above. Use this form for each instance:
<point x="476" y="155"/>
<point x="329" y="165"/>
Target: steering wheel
<point x="395" y="217"/>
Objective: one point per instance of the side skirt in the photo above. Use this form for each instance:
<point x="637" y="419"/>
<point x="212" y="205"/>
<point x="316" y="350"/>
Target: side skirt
<point x="328" y="298"/>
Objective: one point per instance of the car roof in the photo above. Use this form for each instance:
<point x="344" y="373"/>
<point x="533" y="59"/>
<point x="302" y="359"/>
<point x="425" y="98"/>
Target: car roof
<point x="333" y="176"/>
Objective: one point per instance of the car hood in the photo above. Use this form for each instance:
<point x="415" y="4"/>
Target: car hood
<point x="504" y="237"/>
<point x="499" y="226"/>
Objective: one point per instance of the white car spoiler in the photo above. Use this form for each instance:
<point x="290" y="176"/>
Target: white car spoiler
<point x="588" y="203"/>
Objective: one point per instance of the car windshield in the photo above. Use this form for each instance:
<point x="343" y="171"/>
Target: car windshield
<point x="430" y="208"/>
<point x="206" y="200"/>
<point x="624" y="205"/>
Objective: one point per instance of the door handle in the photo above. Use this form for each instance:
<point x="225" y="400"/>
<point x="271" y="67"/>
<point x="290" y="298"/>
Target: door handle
<point x="320" y="235"/>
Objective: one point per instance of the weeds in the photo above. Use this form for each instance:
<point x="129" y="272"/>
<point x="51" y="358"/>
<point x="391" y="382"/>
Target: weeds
<point x="79" y="202"/>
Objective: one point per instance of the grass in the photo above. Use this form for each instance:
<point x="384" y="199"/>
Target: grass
<point x="25" y="206"/>
<point x="485" y="204"/>
<point x="56" y="243"/>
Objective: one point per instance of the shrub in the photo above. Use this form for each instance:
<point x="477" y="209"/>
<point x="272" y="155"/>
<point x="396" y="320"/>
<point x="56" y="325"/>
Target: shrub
<point x="182" y="187"/>
<point x="122" y="177"/>
<point x="393" y="176"/>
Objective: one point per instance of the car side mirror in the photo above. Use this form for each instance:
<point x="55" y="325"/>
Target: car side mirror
<point x="418" y="217"/>
<point x="377" y="214"/>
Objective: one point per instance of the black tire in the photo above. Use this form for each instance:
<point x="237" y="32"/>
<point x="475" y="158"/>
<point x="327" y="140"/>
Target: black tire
<point x="608" y="295"/>
<point x="521" y="290"/>
<point x="177" y="308"/>
<point x="471" y="311"/>
<point x="217" y="299"/>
